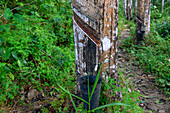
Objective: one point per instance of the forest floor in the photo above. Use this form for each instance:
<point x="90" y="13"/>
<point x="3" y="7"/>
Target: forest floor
<point x="155" y="100"/>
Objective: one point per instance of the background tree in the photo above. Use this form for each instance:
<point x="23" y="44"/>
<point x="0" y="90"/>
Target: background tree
<point x="142" y="19"/>
<point x="136" y="3"/>
<point x="123" y="5"/>
<point x="127" y="8"/>
<point x="162" y="6"/>
<point x="147" y="13"/>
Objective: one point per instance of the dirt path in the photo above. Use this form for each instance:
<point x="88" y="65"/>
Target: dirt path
<point x="156" y="100"/>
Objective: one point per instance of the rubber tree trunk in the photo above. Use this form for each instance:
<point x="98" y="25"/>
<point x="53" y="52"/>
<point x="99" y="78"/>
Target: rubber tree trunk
<point x="142" y="19"/>
<point x="147" y="12"/>
<point x="162" y="6"/>
<point x="128" y="9"/>
<point x="123" y="5"/>
<point x="95" y="25"/>
<point x="136" y="3"/>
<point x="125" y="8"/>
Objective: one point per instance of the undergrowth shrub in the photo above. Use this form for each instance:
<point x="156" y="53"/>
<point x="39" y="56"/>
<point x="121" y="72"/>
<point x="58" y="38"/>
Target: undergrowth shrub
<point x="163" y="27"/>
<point x="110" y="92"/>
<point x="36" y="44"/>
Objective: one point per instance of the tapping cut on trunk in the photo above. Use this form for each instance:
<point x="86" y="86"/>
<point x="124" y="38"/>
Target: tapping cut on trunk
<point x="95" y="25"/>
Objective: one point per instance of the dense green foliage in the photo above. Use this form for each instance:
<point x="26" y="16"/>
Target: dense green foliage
<point x="36" y="44"/>
<point x="37" y="50"/>
<point x="156" y="8"/>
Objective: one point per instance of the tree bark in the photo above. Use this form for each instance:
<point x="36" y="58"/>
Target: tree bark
<point x="95" y="25"/>
<point x="142" y="18"/>
<point x="128" y="9"/>
<point x="147" y="16"/>
<point x="136" y="4"/>
<point x="139" y="20"/>
<point x="125" y="8"/>
<point x="123" y="5"/>
<point x="162" y="6"/>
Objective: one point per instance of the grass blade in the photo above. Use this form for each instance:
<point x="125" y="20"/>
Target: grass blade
<point x="63" y="89"/>
<point x="111" y="104"/>
<point x="73" y="103"/>
<point x="95" y="83"/>
<point x="72" y="94"/>
<point x="80" y="98"/>
<point x="88" y="91"/>
<point x="140" y="102"/>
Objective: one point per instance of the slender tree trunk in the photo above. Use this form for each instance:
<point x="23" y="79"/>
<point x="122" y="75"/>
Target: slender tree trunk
<point x="162" y="6"/>
<point x="139" y="20"/>
<point x="167" y="6"/>
<point x="147" y="16"/>
<point x="142" y="19"/>
<point x="136" y="4"/>
<point x="95" y="25"/>
<point x="123" y="5"/>
<point x="128" y="9"/>
<point x="125" y="8"/>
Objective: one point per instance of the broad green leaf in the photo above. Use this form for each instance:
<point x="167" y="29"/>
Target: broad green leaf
<point x="7" y="69"/>
<point x="54" y="19"/>
<point x="14" y="55"/>
<point x="23" y="61"/>
<point x="162" y="81"/>
<point x="8" y="13"/>
<point x="11" y="76"/>
<point x="10" y="95"/>
<point x="21" y="4"/>
<point x="168" y="83"/>
<point x="4" y="28"/>
<point x="46" y="84"/>
<point x="19" y="63"/>
<point x="6" y="85"/>
<point x="5" y="54"/>
<point x="39" y="88"/>
<point x="2" y="64"/>
<point x="36" y="13"/>
<point x="18" y="18"/>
